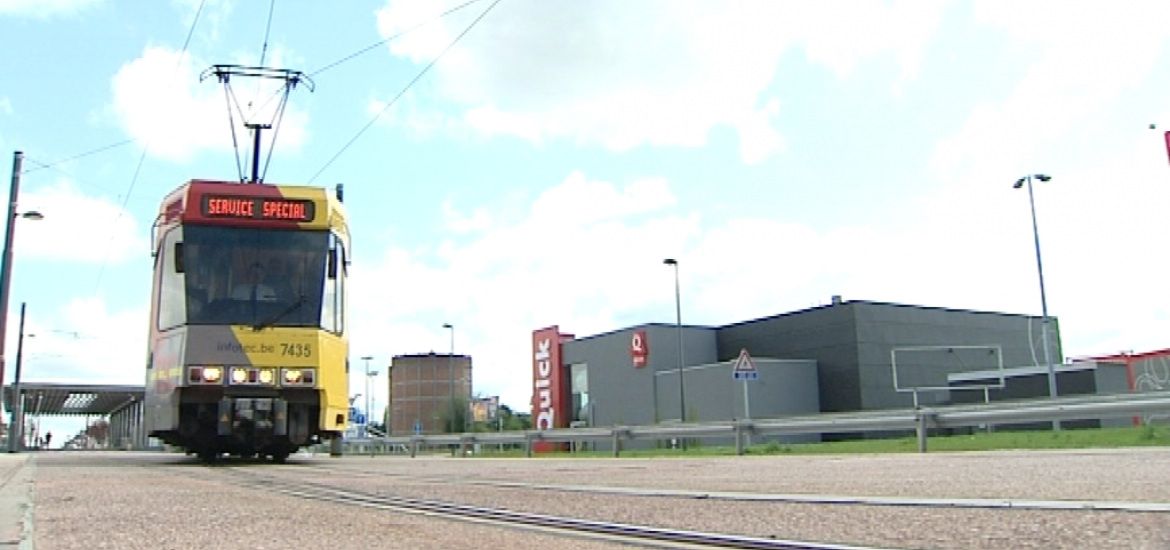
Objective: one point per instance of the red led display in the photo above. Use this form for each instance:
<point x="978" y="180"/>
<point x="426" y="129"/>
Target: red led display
<point x="257" y="208"/>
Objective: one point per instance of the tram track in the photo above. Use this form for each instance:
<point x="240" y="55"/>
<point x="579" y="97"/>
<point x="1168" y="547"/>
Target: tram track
<point x="618" y="533"/>
<point x="792" y="498"/>
<point x="355" y="503"/>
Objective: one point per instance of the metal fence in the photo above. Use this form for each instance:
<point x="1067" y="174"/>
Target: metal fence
<point x="919" y="420"/>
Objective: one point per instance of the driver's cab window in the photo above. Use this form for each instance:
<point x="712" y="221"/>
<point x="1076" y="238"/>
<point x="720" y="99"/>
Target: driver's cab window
<point x="172" y="307"/>
<point x="261" y="278"/>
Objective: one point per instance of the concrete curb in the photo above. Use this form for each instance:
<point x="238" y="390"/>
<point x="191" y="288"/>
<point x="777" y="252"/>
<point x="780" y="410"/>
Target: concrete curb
<point x="17" y="474"/>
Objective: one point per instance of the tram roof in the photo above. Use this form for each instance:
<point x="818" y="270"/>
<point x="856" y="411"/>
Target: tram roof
<point x="74" y="399"/>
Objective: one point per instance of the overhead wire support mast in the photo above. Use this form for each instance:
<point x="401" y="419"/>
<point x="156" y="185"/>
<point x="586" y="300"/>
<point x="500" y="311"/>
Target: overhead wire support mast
<point x="223" y="74"/>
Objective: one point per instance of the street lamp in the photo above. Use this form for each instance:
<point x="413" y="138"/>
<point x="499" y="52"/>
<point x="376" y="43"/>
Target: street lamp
<point x="367" y="359"/>
<point x="682" y="403"/>
<point x="1027" y="180"/>
<point x="6" y="260"/>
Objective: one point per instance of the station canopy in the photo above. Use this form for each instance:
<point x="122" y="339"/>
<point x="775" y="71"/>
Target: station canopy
<point x="74" y="399"/>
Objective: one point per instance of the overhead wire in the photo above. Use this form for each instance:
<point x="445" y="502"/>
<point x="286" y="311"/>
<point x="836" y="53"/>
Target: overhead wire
<point x="386" y="40"/>
<point x="395" y="36"/>
<point x="263" y="54"/>
<point x="56" y="163"/>
<point x="145" y="149"/>
<point x="267" y="31"/>
<point x="259" y="82"/>
<point x="402" y="92"/>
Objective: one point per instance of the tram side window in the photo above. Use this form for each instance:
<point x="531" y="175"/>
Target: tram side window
<point x="172" y="303"/>
<point x="342" y="283"/>
<point x="329" y="302"/>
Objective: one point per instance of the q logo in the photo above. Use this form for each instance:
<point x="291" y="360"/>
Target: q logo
<point x="639" y="349"/>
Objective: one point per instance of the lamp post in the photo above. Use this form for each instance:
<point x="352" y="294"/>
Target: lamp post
<point x="682" y="396"/>
<point x="1027" y="180"/>
<point x="6" y="259"/>
<point x="451" y="373"/>
<point x="16" y="424"/>
<point x="367" y="359"/>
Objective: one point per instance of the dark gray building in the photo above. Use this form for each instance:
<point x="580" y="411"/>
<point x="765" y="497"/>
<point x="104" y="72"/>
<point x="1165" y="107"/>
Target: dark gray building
<point x="844" y="356"/>
<point x="607" y="388"/>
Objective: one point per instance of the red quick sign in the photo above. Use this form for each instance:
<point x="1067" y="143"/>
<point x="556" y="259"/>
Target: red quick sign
<point x="639" y="349"/>
<point x="548" y="406"/>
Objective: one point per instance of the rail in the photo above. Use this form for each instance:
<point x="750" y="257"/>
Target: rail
<point x="920" y="420"/>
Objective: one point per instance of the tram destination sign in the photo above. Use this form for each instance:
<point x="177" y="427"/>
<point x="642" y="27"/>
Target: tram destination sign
<point x="257" y="208"/>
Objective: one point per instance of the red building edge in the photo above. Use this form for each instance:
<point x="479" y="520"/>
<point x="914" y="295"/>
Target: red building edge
<point x="550" y="388"/>
<point x="1131" y="359"/>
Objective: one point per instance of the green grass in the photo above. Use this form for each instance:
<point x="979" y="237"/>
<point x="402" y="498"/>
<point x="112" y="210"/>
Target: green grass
<point x="1145" y="436"/>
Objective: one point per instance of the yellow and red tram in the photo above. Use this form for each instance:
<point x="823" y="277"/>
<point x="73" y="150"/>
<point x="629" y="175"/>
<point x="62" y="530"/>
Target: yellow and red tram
<point x="248" y="347"/>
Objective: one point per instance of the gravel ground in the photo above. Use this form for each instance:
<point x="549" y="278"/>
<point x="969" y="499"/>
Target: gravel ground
<point x="85" y="501"/>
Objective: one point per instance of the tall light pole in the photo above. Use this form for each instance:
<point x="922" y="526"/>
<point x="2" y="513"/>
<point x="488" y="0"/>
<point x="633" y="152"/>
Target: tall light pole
<point x="682" y="396"/>
<point x="367" y="359"/>
<point x="6" y="259"/>
<point x="16" y="425"/>
<point x="1027" y="180"/>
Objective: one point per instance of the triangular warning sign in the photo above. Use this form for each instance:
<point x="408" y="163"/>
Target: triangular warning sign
<point x="744" y="368"/>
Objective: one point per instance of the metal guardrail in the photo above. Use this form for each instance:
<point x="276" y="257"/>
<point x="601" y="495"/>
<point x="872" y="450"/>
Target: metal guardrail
<point x="920" y="420"/>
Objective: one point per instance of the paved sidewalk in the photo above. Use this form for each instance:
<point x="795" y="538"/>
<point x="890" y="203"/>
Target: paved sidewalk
<point x="17" y="472"/>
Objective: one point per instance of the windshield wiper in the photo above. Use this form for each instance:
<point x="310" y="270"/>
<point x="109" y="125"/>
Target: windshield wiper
<point x="300" y="301"/>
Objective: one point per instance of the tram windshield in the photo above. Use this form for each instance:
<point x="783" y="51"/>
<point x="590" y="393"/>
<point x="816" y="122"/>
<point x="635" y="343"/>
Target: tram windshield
<point x="258" y="277"/>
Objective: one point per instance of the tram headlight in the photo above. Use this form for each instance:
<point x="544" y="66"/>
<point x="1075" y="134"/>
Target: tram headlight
<point x="204" y="375"/>
<point x="266" y="376"/>
<point x="298" y="377"/>
<point x="239" y="376"/>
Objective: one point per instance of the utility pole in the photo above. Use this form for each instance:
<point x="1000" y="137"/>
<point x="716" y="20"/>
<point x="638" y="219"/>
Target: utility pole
<point x="6" y="263"/>
<point x="16" y="429"/>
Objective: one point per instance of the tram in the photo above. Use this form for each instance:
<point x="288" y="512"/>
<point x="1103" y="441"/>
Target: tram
<point x="248" y="347"/>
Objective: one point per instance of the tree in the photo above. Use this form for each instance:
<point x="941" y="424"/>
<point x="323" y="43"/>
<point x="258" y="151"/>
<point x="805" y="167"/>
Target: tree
<point x="455" y="416"/>
<point x="513" y="420"/>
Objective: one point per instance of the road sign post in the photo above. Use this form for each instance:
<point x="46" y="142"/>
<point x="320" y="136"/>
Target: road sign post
<point x="745" y="369"/>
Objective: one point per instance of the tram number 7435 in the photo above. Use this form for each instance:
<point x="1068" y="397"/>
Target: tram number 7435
<point x="296" y="350"/>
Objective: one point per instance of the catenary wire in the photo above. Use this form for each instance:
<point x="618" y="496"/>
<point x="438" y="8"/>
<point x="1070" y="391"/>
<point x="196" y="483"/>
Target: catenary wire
<point x="267" y="32"/>
<point x="54" y="164"/>
<point x="142" y="157"/>
<point x="402" y="92"/>
<point x="353" y="55"/>
<point x="104" y="148"/>
<point x="394" y="37"/>
<point x="264" y="52"/>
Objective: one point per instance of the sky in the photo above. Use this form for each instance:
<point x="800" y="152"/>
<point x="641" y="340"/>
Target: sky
<point x="516" y="164"/>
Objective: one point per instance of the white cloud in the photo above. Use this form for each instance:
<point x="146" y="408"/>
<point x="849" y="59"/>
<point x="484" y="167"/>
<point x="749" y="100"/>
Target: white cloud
<point x="5" y="106"/>
<point x="162" y="104"/>
<point x="582" y="254"/>
<point x="67" y="232"/>
<point x="1061" y="118"/>
<point x="84" y="342"/>
<point x="587" y="256"/>
<point x="624" y="75"/>
<point x="44" y="8"/>
<point x="1085" y="57"/>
